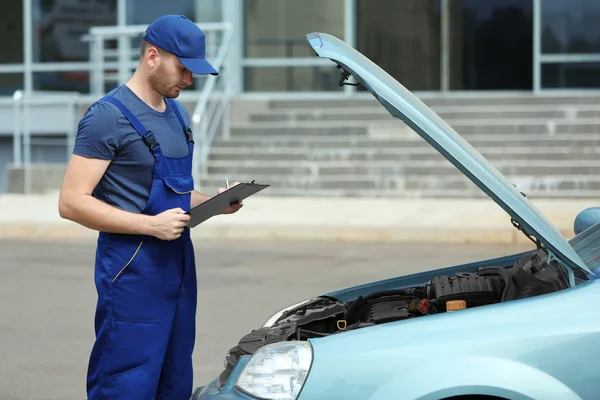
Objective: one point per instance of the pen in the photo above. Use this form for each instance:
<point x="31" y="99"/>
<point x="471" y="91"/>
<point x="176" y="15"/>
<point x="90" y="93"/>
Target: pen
<point x="226" y="183"/>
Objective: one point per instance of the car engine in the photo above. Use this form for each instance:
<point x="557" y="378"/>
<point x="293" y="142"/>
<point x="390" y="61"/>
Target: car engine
<point x="531" y="275"/>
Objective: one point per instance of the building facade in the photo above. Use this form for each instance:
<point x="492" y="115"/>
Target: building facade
<point x="428" y="45"/>
<point x="433" y="47"/>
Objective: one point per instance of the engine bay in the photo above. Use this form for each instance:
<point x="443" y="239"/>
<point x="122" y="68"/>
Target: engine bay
<point x="531" y="275"/>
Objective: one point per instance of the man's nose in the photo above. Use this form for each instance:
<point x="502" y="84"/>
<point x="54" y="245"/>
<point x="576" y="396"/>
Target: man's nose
<point x="187" y="77"/>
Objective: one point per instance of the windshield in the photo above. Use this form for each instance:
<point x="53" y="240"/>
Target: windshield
<point x="404" y="105"/>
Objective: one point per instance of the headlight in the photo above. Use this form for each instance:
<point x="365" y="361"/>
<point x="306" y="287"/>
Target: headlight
<point x="269" y="323"/>
<point x="277" y="371"/>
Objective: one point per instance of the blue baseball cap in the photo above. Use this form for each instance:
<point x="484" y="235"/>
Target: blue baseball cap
<point x="181" y="37"/>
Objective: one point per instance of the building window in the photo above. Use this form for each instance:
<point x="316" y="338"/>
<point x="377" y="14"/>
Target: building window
<point x="59" y="26"/>
<point x="141" y="12"/>
<point x="11" y="31"/>
<point x="570" y="26"/>
<point x="491" y="45"/>
<point x="403" y="38"/>
<point x="277" y="29"/>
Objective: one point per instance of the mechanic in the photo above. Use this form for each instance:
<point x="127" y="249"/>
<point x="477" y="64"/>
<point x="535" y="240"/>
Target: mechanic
<point x="130" y="178"/>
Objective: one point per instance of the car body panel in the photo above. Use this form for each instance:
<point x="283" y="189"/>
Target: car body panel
<point x="538" y="347"/>
<point x="508" y="349"/>
<point x="401" y="103"/>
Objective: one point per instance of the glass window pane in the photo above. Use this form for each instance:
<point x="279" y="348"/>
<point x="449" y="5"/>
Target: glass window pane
<point x="403" y="38"/>
<point x="62" y="81"/>
<point x="11" y="31"/>
<point x="570" y="26"/>
<point x="278" y="28"/>
<point x="491" y="45"/>
<point x="145" y="11"/>
<point x="287" y="79"/>
<point x="9" y="83"/>
<point x="59" y="26"/>
<point x="571" y="75"/>
<point x="209" y="11"/>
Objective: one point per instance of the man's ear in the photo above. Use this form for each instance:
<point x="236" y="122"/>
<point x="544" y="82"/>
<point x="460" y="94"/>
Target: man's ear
<point x="152" y="56"/>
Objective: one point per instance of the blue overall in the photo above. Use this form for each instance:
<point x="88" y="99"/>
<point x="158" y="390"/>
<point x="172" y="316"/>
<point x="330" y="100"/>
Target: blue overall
<point x="147" y="291"/>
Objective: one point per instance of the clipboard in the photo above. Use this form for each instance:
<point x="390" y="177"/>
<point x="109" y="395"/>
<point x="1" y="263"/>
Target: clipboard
<point x="216" y="204"/>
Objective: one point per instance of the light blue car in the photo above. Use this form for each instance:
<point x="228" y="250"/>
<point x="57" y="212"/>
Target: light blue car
<point x="524" y="326"/>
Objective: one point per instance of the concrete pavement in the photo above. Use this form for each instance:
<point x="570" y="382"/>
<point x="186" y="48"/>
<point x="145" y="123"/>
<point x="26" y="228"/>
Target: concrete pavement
<point x="338" y="219"/>
<point x="47" y="299"/>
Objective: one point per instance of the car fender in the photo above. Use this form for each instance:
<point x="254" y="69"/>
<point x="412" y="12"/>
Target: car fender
<point x="473" y="375"/>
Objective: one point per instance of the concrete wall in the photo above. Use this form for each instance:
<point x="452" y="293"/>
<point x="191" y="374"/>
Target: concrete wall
<point x="49" y="150"/>
<point x="50" y="159"/>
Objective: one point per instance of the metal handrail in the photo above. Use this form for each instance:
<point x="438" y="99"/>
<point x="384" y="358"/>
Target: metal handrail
<point x="205" y="122"/>
<point x="210" y="112"/>
<point x="212" y="107"/>
<point x="22" y="133"/>
<point x="100" y="56"/>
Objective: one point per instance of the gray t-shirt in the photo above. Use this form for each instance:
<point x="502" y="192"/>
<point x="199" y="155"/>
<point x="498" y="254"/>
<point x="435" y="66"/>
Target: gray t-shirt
<point x="105" y="133"/>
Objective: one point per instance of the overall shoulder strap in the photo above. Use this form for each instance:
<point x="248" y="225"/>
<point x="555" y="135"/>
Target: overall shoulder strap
<point x="146" y="135"/>
<point x="186" y="129"/>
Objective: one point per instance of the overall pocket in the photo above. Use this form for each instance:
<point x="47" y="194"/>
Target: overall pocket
<point x="147" y="283"/>
<point x="128" y="262"/>
<point x="179" y="184"/>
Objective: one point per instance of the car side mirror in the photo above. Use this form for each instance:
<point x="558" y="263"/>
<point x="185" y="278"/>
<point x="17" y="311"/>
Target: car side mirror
<point x="586" y="218"/>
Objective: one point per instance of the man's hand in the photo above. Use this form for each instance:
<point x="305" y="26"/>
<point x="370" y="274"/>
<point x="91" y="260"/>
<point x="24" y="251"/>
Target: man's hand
<point x="169" y="224"/>
<point x="233" y="208"/>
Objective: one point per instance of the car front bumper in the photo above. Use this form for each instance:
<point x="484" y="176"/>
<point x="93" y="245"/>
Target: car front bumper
<point x="211" y="392"/>
<point x="228" y="391"/>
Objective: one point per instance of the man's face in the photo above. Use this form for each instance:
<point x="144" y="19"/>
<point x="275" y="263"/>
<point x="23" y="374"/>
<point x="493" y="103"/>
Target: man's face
<point x="170" y="77"/>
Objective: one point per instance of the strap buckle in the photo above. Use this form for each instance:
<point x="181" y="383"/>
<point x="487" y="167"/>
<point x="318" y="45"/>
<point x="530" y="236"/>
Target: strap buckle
<point x="150" y="140"/>
<point x="188" y="134"/>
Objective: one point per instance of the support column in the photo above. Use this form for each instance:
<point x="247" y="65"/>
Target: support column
<point x="445" y="47"/>
<point x="123" y="43"/>
<point x="537" y="46"/>
<point x="233" y="12"/>
<point x="28" y="45"/>
<point x="350" y="33"/>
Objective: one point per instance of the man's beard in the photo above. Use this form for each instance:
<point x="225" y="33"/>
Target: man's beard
<point x="159" y="82"/>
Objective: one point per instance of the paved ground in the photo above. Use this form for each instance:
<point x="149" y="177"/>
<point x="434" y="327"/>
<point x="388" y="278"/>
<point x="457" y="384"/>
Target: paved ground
<point x="47" y="299"/>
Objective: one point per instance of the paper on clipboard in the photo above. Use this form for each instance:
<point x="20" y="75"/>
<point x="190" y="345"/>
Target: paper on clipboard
<point x="216" y="204"/>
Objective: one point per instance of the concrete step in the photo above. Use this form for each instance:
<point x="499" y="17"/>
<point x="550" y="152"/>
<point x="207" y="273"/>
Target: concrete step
<point x="401" y="154"/>
<point x="399" y="140"/>
<point x="440" y="168"/>
<point x="462" y="126"/>
<point x="524" y="183"/>
<point x="442" y="100"/>
<point x="365" y="185"/>
<point x="447" y="113"/>
<point x="298" y="130"/>
<point x="416" y="194"/>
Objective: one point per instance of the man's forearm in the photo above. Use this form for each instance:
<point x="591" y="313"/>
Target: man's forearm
<point x="198" y="198"/>
<point x="95" y="214"/>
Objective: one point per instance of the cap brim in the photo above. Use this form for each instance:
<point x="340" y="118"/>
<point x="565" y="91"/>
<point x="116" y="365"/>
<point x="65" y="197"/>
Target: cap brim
<point x="198" y="66"/>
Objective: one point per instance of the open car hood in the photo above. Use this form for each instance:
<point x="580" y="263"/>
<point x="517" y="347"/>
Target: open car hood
<point x="402" y="104"/>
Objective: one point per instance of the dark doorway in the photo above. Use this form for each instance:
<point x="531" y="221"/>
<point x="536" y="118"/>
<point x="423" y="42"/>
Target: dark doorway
<point x="403" y="38"/>
<point x="491" y="44"/>
<point x="11" y="30"/>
